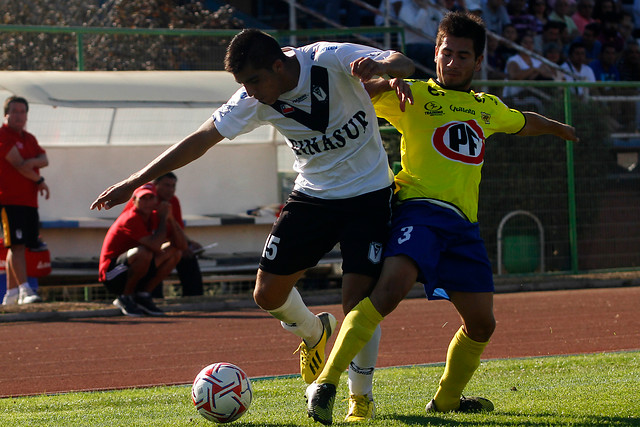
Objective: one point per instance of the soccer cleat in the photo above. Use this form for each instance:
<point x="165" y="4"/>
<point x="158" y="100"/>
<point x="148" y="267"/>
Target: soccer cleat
<point x="128" y="306"/>
<point x="312" y="360"/>
<point x="467" y="404"/>
<point x="27" y="295"/>
<point x="320" y="399"/>
<point x="147" y="305"/>
<point x="10" y="299"/>
<point x="361" y="408"/>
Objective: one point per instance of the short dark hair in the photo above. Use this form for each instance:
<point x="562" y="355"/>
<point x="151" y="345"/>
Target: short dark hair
<point x="462" y="24"/>
<point x="252" y="47"/>
<point x="576" y="45"/>
<point x="169" y="175"/>
<point x="12" y="99"/>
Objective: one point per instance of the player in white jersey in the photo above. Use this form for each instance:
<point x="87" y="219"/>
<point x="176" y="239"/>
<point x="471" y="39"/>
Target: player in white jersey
<point x="314" y="96"/>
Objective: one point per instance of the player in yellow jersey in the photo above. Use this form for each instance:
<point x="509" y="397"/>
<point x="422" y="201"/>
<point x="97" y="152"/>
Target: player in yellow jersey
<point x="435" y="237"/>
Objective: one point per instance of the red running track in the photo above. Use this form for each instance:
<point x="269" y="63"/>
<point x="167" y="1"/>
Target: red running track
<point x="110" y="353"/>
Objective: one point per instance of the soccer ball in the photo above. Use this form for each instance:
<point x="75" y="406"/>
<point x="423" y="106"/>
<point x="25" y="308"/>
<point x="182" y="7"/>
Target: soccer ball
<point x="222" y="392"/>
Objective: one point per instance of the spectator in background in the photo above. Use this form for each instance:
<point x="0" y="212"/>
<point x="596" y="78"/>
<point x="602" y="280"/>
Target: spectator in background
<point x="552" y="33"/>
<point x="589" y="38"/>
<point x="626" y="28"/>
<point x="540" y="11"/>
<point x="523" y="66"/>
<point x="523" y="21"/>
<point x="602" y="7"/>
<point x="21" y="158"/>
<point x="562" y="13"/>
<point x="141" y="248"/>
<point x="604" y="68"/>
<point x="422" y="15"/>
<point x="188" y="268"/>
<point x="506" y="50"/>
<point x="629" y="67"/>
<point x="576" y="65"/>
<point x="629" y="64"/>
<point x="495" y="15"/>
<point x="609" y="33"/>
<point x="495" y="60"/>
<point x="554" y="54"/>
<point x="583" y="15"/>
<point x="394" y="10"/>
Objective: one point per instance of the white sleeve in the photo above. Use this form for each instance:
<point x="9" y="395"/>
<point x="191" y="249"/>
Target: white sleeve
<point x="237" y="116"/>
<point x="343" y="54"/>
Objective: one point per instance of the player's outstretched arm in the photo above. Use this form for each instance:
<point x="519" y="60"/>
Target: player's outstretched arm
<point x="399" y="86"/>
<point x="178" y="155"/>
<point x="537" y="124"/>
<point x="396" y="65"/>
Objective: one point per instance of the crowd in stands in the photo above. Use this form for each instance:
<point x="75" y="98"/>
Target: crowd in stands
<point x="595" y="40"/>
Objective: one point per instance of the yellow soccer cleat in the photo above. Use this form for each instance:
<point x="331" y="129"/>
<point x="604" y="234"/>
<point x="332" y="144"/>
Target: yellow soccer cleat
<point x="312" y="360"/>
<point x="361" y="408"/>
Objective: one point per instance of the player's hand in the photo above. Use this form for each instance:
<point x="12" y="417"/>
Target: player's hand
<point x="164" y="210"/>
<point x="403" y="91"/>
<point x="113" y="196"/>
<point x="569" y="134"/>
<point x="366" y="69"/>
<point x="43" y="189"/>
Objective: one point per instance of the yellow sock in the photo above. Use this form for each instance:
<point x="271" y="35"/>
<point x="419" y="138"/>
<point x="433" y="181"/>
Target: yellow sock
<point x="463" y="358"/>
<point x="356" y="330"/>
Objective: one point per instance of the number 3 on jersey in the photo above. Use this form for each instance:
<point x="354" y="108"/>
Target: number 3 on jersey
<point x="406" y="234"/>
<point x="271" y="247"/>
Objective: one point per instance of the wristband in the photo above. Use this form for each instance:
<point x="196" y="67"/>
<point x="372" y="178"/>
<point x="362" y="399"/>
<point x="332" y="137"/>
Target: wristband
<point x="40" y="181"/>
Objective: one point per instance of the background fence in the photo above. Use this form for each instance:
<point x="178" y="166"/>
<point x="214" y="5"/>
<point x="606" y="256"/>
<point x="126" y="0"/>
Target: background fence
<point x="577" y="205"/>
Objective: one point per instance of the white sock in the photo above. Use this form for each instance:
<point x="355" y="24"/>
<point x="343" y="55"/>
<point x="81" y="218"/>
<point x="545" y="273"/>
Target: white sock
<point x="295" y="317"/>
<point x="13" y="291"/>
<point x="362" y="367"/>
<point x="25" y="286"/>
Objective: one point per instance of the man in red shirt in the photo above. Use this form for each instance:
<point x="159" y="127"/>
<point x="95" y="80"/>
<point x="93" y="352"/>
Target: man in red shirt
<point x="188" y="268"/>
<point x="20" y="182"/>
<point x="140" y="249"/>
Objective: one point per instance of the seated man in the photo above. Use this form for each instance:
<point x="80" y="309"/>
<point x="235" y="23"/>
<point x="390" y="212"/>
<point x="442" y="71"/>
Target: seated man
<point x="188" y="268"/>
<point x="140" y="249"/>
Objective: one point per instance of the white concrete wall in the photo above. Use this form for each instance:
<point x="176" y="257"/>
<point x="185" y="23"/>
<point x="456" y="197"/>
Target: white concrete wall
<point x="229" y="179"/>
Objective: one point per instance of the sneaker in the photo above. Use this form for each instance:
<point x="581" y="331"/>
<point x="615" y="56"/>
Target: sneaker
<point x="320" y="399"/>
<point x="27" y="295"/>
<point x="467" y="404"/>
<point x="361" y="408"/>
<point x="147" y="305"/>
<point x="312" y="360"/>
<point x="10" y="299"/>
<point x="128" y="306"/>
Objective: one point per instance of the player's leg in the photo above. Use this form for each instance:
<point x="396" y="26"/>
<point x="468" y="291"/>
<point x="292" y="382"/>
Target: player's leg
<point x="466" y="271"/>
<point x="298" y="240"/>
<point x="21" y="224"/>
<point x="356" y="287"/>
<point x="360" y="325"/>
<point x="365" y="229"/>
<point x="465" y="350"/>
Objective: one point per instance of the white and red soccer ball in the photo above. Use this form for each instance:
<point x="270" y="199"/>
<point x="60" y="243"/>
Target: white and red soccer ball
<point x="222" y="392"/>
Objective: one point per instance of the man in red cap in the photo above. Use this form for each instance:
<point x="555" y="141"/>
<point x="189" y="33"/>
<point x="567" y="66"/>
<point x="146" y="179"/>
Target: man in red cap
<point x="140" y="249"/>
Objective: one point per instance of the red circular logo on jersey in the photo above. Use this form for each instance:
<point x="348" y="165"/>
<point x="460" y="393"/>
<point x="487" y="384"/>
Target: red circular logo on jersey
<point x="460" y="141"/>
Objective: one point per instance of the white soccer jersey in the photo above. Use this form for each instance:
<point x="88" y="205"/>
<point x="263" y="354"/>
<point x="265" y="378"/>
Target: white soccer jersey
<point x="328" y="121"/>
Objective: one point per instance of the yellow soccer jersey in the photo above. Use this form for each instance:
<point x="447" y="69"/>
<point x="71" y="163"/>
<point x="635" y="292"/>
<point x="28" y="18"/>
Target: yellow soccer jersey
<point x="443" y="137"/>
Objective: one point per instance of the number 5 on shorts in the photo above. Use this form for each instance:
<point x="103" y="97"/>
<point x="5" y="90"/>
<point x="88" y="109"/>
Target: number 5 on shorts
<point x="271" y="247"/>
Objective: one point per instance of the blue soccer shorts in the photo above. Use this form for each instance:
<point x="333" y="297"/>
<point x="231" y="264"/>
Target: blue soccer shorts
<point x="447" y="248"/>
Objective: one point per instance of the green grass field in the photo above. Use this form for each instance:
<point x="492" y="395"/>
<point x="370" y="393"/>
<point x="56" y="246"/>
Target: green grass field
<point x="583" y="390"/>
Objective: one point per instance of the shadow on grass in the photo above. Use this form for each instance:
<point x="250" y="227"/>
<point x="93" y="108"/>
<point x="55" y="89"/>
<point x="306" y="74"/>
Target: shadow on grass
<point x="517" y="419"/>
